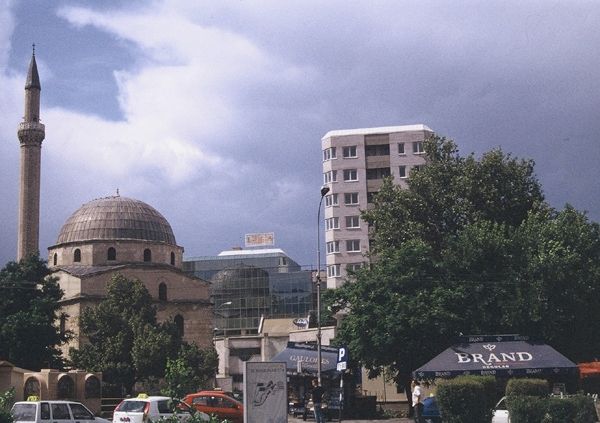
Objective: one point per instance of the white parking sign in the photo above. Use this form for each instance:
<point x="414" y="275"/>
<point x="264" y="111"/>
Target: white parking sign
<point x="342" y="359"/>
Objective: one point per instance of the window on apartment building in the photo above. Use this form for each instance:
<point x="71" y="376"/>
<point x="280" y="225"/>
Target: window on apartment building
<point x="349" y="152"/>
<point x="418" y="147"/>
<point x="402" y="171"/>
<point x="329" y="153"/>
<point x="401" y="148"/>
<point x="333" y="247"/>
<point x="353" y="245"/>
<point x="331" y="200"/>
<point x="416" y="168"/>
<point x="350" y="175"/>
<point x="333" y="271"/>
<point x="332" y="223"/>
<point x="330" y="176"/>
<point x="378" y="173"/>
<point x="353" y="267"/>
<point x="351" y="198"/>
<point x="352" y="222"/>
<point x="377" y="150"/>
<point x="371" y="196"/>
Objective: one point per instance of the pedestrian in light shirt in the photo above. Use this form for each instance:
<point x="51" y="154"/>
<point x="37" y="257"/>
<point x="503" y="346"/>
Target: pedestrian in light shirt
<point x="417" y="396"/>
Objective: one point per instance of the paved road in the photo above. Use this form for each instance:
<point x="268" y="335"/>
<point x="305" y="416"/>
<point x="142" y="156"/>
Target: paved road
<point x="396" y="420"/>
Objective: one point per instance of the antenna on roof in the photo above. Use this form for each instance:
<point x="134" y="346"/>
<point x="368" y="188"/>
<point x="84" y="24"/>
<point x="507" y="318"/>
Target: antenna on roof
<point x="117" y="192"/>
<point x="33" y="45"/>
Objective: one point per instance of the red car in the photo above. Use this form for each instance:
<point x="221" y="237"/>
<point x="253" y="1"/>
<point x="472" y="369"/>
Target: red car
<point x="218" y="403"/>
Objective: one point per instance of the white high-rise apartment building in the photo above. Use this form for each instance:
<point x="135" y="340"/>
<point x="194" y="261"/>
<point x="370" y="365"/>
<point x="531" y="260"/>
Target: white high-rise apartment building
<point x="355" y="161"/>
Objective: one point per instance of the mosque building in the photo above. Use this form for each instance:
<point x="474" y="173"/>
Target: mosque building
<point x="104" y="237"/>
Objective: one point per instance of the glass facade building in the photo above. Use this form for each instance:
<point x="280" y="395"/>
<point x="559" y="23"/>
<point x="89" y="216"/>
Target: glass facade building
<point x="249" y="284"/>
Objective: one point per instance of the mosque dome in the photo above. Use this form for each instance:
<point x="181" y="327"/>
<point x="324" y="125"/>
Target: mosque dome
<point x="116" y="218"/>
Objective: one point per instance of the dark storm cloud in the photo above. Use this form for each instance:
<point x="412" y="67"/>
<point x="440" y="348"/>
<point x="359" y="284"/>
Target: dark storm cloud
<point x="515" y="75"/>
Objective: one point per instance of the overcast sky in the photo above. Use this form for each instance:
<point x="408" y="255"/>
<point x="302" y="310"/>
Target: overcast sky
<point x="213" y="111"/>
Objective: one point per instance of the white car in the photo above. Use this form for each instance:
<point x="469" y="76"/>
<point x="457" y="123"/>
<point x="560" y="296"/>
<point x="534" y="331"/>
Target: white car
<point x="36" y="411"/>
<point x="501" y="412"/>
<point x="149" y="409"/>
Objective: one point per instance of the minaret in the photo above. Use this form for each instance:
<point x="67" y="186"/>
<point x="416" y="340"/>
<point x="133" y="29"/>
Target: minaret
<point x="31" y="134"/>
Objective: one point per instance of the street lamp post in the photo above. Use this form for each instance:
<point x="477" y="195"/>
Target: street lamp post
<point x="324" y="190"/>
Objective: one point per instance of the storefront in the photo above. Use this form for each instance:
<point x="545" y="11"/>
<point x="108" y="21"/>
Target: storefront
<point x="301" y="361"/>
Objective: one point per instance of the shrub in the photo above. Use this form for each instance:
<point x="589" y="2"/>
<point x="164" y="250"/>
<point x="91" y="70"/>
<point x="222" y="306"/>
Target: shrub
<point x="531" y="387"/>
<point x="585" y="409"/>
<point x="530" y="409"/>
<point x="6" y="400"/>
<point x="526" y="409"/>
<point x="463" y="399"/>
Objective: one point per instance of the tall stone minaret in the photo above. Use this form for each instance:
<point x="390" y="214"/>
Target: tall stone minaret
<point x="31" y="134"/>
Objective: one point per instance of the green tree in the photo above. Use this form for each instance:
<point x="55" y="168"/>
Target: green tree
<point x="6" y="401"/>
<point x="125" y="341"/>
<point x="29" y="309"/>
<point x="470" y="247"/>
<point x="190" y="371"/>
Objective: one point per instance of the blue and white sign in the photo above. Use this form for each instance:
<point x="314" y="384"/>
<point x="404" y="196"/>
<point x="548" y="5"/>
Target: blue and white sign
<point x="342" y="359"/>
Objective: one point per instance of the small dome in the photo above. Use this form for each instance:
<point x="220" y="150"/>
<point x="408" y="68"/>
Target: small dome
<point x="114" y="218"/>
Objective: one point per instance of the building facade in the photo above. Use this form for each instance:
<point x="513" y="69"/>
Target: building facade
<point x="251" y="284"/>
<point x="355" y="161"/>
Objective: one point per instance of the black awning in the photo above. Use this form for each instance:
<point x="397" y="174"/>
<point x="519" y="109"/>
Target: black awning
<point x="497" y="357"/>
<point x="308" y="356"/>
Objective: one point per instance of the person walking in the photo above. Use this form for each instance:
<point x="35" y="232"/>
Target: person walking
<point x="317" y="399"/>
<point x="417" y="404"/>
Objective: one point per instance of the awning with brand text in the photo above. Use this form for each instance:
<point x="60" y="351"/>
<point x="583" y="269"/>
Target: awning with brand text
<point x="307" y="355"/>
<point x="499" y="355"/>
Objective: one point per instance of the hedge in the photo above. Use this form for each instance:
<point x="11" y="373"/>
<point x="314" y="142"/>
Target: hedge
<point x="531" y="387"/>
<point x="466" y="399"/>
<point x="531" y="409"/>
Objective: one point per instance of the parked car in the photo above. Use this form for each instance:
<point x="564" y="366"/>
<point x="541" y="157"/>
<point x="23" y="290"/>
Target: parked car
<point x="501" y="412"/>
<point x="36" y="411"/>
<point x="218" y="403"/>
<point x="148" y="409"/>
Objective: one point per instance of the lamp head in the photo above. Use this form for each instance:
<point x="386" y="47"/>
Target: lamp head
<point x="324" y="190"/>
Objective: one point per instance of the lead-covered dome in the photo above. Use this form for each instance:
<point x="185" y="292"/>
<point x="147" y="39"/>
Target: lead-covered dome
<point x="116" y="218"/>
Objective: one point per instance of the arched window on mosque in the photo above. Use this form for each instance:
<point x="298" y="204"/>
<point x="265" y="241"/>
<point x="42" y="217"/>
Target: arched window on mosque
<point x="147" y="255"/>
<point x="77" y="255"/>
<point x="172" y="258"/>
<point x="63" y="324"/>
<point x="179" y="324"/>
<point x="92" y="387"/>
<point x="111" y="254"/>
<point x="31" y="388"/>
<point x="55" y="259"/>
<point x="65" y="387"/>
<point x="162" y="291"/>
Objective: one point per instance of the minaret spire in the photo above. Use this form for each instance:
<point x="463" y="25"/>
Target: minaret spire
<point x="31" y="134"/>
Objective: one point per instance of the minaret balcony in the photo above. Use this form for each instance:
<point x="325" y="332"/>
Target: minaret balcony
<point x="31" y="132"/>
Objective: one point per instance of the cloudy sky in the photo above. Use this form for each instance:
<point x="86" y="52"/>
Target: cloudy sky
<point x="213" y="111"/>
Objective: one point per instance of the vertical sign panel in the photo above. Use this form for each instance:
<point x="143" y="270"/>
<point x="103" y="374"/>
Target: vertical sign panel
<point x="265" y="392"/>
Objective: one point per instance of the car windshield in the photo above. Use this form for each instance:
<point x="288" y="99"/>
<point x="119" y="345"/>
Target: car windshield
<point x="132" y="406"/>
<point x="23" y="412"/>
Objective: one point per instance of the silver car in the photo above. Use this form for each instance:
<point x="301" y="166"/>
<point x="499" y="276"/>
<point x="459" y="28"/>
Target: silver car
<point x="53" y="412"/>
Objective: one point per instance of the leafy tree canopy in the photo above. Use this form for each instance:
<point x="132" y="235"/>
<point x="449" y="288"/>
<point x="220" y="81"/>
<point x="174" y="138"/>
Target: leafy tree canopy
<point x="126" y="342"/>
<point x="190" y="371"/>
<point x="29" y="309"/>
<point x="470" y="247"/>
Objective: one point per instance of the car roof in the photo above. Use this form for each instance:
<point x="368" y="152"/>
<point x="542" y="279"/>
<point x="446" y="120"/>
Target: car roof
<point x="52" y="401"/>
<point x="149" y="398"/>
